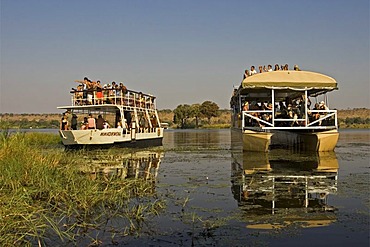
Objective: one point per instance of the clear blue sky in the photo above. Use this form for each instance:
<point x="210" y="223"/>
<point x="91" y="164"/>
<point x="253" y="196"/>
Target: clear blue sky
<point x="183" y="52"/>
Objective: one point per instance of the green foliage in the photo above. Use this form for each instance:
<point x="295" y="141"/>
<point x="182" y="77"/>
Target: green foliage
<point x="196" y="113"/>
<point x="209" y="109"/>
<point x="24" y="123"/>
<point x="181" y="114"/>
<point x="165" y="111"/>
<point x="354" y="122"/>
<point x="186" y="116"/>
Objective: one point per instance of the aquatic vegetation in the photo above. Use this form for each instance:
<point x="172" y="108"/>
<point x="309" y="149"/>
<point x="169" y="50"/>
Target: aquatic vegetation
<point x="45" y="198"/>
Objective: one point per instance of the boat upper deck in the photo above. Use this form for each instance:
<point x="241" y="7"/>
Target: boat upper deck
<point x="281" y="100"/>
<point x="110" y="99"/>
<point x="315" y="83"/>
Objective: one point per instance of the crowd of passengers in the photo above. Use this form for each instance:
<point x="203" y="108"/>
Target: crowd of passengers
<point x="88" y="122"/>
<point x="292" y="110"/>
<point x="94" y="93"/>
<point x="71" y="122"/>
<point x="262" y="69"/>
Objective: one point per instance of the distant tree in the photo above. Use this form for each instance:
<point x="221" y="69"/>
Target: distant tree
<point x="181" y="114"/>
<point x="357" y="120"/>
<point x="196" y="113"/>
<point x="54" y="124"/>
<point x="165" y="111"/>
<point x="209" y="109"/>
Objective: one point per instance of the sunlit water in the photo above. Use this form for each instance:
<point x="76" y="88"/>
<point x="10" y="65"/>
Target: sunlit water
<point x="218" y="195"/>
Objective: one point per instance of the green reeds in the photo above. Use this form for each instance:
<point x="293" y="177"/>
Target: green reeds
<point x="45" y="199"/>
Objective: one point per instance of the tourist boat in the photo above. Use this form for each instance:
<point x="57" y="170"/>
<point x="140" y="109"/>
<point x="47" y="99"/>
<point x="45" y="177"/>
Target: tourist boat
<point x="275" y="109"/>
<point x="130" y="120"/>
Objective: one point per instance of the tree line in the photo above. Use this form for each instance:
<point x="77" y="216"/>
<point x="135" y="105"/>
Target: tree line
<point x="185" y="116"/>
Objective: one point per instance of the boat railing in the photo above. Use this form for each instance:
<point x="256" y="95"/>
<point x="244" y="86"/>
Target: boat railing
<point x="128" y="98"/>
<point x="265" y="119"/>
<point x="255" y="115"/>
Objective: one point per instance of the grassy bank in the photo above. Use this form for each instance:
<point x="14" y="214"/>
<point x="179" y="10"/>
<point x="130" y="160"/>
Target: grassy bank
<point x="45" y="199"/>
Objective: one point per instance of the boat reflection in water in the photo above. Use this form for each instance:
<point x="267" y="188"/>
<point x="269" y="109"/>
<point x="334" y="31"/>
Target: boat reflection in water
<point x="139" y="164"/>
<point x="281" y="188"/>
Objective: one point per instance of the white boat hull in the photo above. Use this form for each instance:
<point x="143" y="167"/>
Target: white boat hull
<point x="111" y="137"/>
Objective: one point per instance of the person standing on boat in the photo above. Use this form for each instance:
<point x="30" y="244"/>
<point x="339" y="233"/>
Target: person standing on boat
<point x="64" y="122"/>
<point x="302" y="106"/>
<point x="261" y="69"/>
<point x="84" y="124"/>
<point x="269" y="68"/>
<point x="118" y="94"/>
<point x="106" y="94"/>
<point x="112" y="93"/>
<point x="85" y="84"/>
<point x="99" y="93"/>
<point x="246" y="74"/>
<point x="253" y="70"/>
<point x="90" y="92"/>
<point x="323" y="107"/>
<point x="246" y="106"/>
<point x="123" y="93"/>
<point x="100" y="123"/>
<point x="91" y="122"/>
<point x="74" y="122"/>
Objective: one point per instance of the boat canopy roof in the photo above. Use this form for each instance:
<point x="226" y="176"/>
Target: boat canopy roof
<point x="290" y="79"/>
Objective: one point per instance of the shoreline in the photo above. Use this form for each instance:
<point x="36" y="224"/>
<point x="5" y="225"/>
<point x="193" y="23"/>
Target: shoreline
<point x="356" y="118"/>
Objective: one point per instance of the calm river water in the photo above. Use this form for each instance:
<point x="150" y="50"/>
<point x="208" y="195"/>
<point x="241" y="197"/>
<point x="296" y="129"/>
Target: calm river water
<point x="218" y="195"/>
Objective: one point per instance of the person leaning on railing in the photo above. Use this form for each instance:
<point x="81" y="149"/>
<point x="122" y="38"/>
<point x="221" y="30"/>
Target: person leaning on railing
<point x="106" y="94"/>
<point x="78" y="95"/>
<point x="90" y="92"/>
<point x="88" y="86"/>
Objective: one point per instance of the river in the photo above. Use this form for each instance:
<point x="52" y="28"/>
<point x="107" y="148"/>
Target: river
<point x="218" y="195"/>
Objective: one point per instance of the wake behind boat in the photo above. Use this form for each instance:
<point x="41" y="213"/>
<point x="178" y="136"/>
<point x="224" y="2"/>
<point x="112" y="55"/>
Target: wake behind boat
<point x="274" y="109"/>
<point x="110" y="116"/>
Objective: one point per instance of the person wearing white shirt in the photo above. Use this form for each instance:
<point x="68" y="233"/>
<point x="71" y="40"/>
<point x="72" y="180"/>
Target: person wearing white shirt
<point x="253" y="70"/>
<point x="269" y="68"/>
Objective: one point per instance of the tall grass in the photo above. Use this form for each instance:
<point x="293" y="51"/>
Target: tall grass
<point x="45" y="199"/>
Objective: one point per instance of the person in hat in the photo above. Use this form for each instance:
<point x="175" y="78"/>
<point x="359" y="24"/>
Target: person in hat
<point x="106" y="99"/>
<point x="246" y="106"/>
<point x="322" y="106"/>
